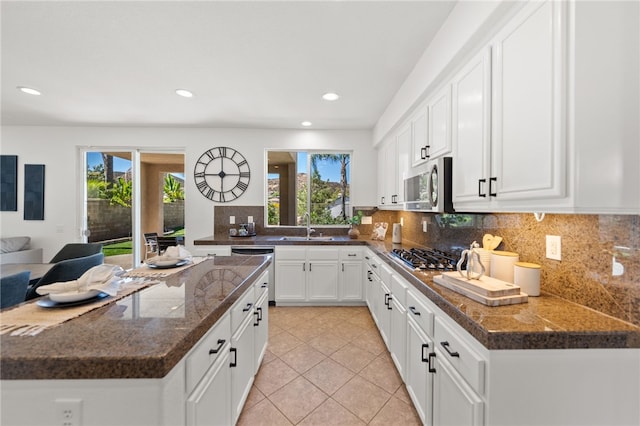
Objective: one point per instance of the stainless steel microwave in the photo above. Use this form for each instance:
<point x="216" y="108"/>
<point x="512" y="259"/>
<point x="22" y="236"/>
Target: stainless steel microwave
<point x="430" y="191"/>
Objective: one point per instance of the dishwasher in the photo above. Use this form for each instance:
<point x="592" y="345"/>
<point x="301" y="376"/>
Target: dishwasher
<point x="261" y="251"/>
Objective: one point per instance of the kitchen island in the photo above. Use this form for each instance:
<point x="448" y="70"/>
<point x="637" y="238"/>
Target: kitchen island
<point x="130" y="361"/>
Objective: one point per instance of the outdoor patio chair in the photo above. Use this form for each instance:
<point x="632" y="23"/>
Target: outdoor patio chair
<point x="66" y="270"/>
<point x="151" y="244"/>
<point x="13" y="289"/>
<point x="74" y="250"/>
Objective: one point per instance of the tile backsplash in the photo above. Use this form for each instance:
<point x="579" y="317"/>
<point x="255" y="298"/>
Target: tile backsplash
<point x="586" y="274"/>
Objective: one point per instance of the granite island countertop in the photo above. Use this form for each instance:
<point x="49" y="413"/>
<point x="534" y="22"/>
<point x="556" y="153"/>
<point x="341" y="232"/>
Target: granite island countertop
<point x="143" y="335"/>
<point x="544" y="322"/>
<point x="271" y="240"/>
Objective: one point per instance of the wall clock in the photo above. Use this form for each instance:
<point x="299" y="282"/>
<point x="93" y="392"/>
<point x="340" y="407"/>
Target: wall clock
<point x="222" y="174"/>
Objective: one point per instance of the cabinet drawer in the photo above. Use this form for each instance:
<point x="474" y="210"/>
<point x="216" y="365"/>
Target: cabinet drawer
<point x="452" y="348"/>
<point x="354" y="253"/>
<point x="399" y="289"/>
<point x="206" y="351"/>
<point x="420" y="312"/>
<point x="242" y="308"/>
<point x="322" y="253"/>
<point x="385" y="273"/>
<point x="261" y="285"/>
<point x="291" y="253"/>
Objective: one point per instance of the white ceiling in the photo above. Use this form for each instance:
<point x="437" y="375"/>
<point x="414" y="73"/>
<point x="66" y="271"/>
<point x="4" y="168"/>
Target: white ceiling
<point x="257" y="64"/>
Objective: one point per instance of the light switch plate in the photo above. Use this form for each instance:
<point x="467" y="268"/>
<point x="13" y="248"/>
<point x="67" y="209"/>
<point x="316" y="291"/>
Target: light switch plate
<point x="367" y="220"/>
<point x="232" y="220"/>
<point x="554" y="247"/>
<point x="250" y="219"/>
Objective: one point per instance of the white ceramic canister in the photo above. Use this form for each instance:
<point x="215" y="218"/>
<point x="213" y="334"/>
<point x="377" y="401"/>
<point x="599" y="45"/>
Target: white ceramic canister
<point x="502" y="263"/>
<point x="527" y="276"/>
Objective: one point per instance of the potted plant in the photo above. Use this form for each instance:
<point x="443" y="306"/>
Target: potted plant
<point x="354" y="221"/>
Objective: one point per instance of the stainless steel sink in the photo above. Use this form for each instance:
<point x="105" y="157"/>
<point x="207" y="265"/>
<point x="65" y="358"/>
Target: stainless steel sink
<point x="306" y="239"/>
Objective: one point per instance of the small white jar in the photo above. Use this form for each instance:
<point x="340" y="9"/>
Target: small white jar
<point x="502" y="265"/>
<point x="527" y="277"/>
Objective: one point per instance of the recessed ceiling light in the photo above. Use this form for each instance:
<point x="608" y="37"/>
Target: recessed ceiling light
<point x="184" y="93"/>
<point x="306" y="123"/>
<point x="330" y="96"/>
<point x="29" y="90"/>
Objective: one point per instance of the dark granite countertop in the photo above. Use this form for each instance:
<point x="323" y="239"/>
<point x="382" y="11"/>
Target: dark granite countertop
<point x="143" y="335"/>
<point x="544" y="322"/>
<point x="271" y="240"/>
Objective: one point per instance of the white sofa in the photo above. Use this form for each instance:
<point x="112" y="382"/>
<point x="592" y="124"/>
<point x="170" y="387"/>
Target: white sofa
<point x="18" y="250"/>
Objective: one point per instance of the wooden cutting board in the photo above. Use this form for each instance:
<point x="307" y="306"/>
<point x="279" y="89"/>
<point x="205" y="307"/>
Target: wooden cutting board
<point x="486" y="286"/>
<point x="485" y="300"/>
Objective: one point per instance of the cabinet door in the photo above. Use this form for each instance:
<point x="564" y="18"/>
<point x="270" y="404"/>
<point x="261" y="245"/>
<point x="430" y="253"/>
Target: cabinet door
<point x="322" y="281"/>
<point x="398" y="336"/>
<point x="210" y="402"/>
<point x="418" y="379"/>
<point x="420" y="141"/>
<point x="471" y="125"/>
<point x="454" y="402"/>
<point x="242" y="365"/>
<point x="290" y="281"/>
<point x="440" y="124"/>
<point x="403" y="162"/>
<point x="528" y="152"/>
<point x="391" y="173"/>
<point x="380" y="175"/>
<point x="383" y="311"/>
<point x="261" y="329"/>
<point x="351" y="281"/>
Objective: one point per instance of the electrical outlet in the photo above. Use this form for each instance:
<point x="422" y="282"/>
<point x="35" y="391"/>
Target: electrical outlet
<point x="424" y="226"/>
<point x="250" y="219"/>
<point x="402" y="221"/>
<point x="69" y="412"/>
<point x="232" y="220"/>
<point x="554" y="247"/>
<point x="367" y="220"/>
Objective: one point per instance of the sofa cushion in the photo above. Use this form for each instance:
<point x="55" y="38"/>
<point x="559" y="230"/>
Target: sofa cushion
<point x="11" y="244"/>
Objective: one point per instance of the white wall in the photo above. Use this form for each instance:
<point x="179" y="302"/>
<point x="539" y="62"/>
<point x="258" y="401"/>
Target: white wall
<point x="57" y="149"/>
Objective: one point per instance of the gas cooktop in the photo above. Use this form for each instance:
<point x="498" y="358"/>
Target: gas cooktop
<point x="426" y="259"/>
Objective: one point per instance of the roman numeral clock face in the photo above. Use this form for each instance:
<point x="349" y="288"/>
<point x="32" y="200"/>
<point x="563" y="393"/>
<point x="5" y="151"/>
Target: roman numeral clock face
<point x="222" y="174"/>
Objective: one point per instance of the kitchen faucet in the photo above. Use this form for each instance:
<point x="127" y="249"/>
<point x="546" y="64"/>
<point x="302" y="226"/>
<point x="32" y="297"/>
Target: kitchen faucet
<point x="307" y="216"/>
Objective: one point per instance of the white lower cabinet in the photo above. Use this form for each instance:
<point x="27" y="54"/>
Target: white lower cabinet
<point x="454" y="402"/>
<point x="398" y="324"/>
<point x="261" y="319"/>
<point x="242" y="364"/>
<point x="210" y="402"/>
<point x="418" y="381"/>
<point x="318" y="275"/>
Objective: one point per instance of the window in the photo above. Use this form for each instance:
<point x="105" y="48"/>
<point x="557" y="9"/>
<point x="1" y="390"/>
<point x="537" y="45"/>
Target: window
<point x="317" y="182"/>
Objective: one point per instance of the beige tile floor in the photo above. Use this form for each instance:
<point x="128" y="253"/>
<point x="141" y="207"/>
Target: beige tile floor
<point x="326" y="366"/>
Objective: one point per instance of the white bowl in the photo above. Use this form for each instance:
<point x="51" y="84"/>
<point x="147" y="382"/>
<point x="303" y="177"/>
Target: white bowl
<point x="73" y="296"/>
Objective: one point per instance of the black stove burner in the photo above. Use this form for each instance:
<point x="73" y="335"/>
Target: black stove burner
<point x="426" y="259"/>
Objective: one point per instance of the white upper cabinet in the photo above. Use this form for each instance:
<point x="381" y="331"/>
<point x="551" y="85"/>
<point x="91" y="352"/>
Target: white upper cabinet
<point x="564" y="105"/>
<point x="389" y="188"/>
<point x="420" y="140"/>
<point x="515" y="87"/>
<point x="431" y="124"/>
<point x="529" y="98"/>
<point x="471" y="129"/>
<point x="439" y="124"/>
<point x="403" y="150"/>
